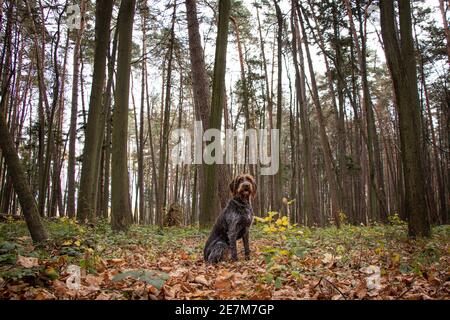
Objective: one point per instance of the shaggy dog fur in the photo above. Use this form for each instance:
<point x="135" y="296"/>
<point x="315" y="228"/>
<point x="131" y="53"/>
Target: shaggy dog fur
<point x="233" y="223"/>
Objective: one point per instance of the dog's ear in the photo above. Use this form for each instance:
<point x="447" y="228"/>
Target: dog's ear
<point x="253" y="180"/>
<point x="234" y="186"/>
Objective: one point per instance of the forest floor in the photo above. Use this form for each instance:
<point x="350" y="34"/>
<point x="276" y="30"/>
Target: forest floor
<point x="353" y="262"/>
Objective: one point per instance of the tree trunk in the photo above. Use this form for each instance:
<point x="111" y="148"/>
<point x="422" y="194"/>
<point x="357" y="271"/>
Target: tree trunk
<point x="19" y="179"/>
<point x="400" y="58"/>
<point x="336" y="206"/>
<point x="73" y="120"/>
<point x="141" y="124"/>
<point x="279" y="174"/>
<point x="121" y="216"/>
<point x="88" y="180"/>
<point x="310" y="199"/>
<point x="446" y="27"/>
<point x="107" y="109"/>
<point x="208" y="209"/>
<point x="163" y="156"/>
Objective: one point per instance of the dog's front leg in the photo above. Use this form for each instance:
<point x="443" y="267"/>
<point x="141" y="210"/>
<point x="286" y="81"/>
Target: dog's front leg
<point x="232" y="238"/>
<point x="245" y="239"/>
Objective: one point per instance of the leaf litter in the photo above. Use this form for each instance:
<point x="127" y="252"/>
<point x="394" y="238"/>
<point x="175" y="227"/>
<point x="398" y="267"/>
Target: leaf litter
<point x="353" y="262"/>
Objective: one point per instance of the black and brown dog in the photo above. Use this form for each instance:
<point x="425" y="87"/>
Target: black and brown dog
<point x="233" y="223"/>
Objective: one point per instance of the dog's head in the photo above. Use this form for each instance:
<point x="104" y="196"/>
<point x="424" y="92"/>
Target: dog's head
<point x="244" y="186"/>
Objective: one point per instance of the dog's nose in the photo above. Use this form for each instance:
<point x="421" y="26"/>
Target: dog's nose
<point x="246" y="185"/>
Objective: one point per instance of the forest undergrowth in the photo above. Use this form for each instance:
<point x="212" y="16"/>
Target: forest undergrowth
<point x="287" y="262"/>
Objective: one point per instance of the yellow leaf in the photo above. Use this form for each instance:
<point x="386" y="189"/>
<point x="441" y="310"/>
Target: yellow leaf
<point x="395" y="258"/>
<point x="67" y="243"/>
<point x="51" y="273"/>
<point x="259" y="219"/>
<point x="77" y="243"/>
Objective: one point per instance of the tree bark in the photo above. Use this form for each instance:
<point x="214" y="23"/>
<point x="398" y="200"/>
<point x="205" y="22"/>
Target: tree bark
<point x="20" y="183"/>
<point x="88" y="180"/>
<point x="208" y="210"/>
<point x="310" y="199"/>
<point x="400" y="57"/>
<point x="121" y="216"/>
<point x="73" y="120"/>
<point x="336" y="206"/>
<point x="278" y="176"/>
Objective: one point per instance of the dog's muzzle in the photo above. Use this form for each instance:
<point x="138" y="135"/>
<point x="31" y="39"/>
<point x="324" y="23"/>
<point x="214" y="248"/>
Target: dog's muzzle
<point x="246" y="187"/>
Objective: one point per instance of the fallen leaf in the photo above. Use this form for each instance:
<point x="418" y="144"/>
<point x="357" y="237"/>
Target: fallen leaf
<point x="114" y="261"/>
<point x="93" y="281"/>
<point x="103" y="296"/>
<point x="361" y="291"/>
<point x="327" y="258"/>
<point x="177" y="273"/>
<point x="202" y="280"/>
<point x="223" y="283"/>
<point x="27" y="262"/>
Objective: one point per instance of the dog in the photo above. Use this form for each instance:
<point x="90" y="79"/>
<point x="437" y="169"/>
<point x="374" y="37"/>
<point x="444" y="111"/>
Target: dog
<point x="233" y="223"/>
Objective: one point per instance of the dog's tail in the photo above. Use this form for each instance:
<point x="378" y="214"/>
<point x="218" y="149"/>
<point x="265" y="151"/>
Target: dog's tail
<point x="215" y="252"/>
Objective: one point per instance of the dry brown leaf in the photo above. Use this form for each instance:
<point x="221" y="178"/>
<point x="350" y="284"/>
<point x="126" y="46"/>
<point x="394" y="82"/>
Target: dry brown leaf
<point x="178" y="273"/>
<point x="44" y="295"/>
<point x="27" y="262"/>
<point x="184" y="256"/>
<point x="114" y="261"/>
<point x="24" y="238"/>
<point x="223" y="283"/>
<point x="202" y="280"/>
<point x="103" y="296"/>
<point x="166" y="268"/>
<point x="94" y="281"/>
<point x="361" y="290"/>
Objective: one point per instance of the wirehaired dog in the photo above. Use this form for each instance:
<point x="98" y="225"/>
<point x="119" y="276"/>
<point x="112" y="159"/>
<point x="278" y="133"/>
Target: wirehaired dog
<point x="233" y="223"/>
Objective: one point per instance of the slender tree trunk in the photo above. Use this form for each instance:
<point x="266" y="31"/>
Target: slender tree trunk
<point x="209" y="193"/>
<point x="88" y="179"/>
<point x="278" y="176"/>
<point x="443" y="10"/>
<point x="269" y="99"/>
<point x="141" y="125"/>
<point x="17" y="174"/>
<point x="121" y="216"/>
<point x="107" y="109"/>
<point x="375" y="179"/>
<point x="310" y="203"/>
<point x="400" y="57"/>
<point x="162" y="166"/>
<point x="202" y="96"/>
<point x="73" y="120"/>
<point x="336" y="206"/>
